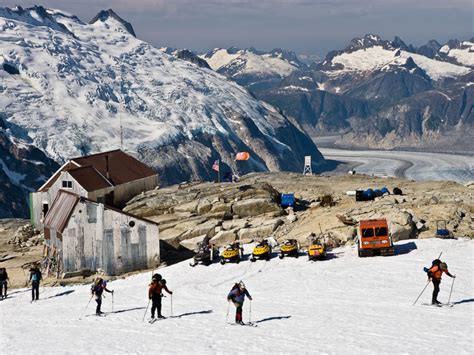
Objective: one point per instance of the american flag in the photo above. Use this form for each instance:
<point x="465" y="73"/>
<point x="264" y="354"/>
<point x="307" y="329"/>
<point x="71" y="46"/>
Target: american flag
<point x="215" y="166"/>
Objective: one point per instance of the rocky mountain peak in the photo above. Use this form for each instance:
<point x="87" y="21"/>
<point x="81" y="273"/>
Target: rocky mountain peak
<point x="105" y="15"/>
<point x="36" y="16"/>
<point x="368" y="41"/>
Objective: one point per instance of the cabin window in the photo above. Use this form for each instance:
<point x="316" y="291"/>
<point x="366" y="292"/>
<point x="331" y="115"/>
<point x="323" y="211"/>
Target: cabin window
<point x="67" y="184"/>
<point x="45" y="209"/>
<point x="366" y="233"/>
<point x="381" y="231"/>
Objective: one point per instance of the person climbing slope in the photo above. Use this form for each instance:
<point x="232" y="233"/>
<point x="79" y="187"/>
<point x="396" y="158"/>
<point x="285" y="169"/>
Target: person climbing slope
<point x="237" y="296"/>
<point x="3" y="283"/>
<point x="35" y="278"/>
<point x="434" y="275"/>
<point x="155" y="294"/>
<point x="97" y="290"/>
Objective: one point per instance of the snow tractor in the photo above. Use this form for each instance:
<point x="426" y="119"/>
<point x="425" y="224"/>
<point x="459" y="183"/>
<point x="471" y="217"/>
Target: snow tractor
<point x="374" y="238"/>
<point x="262" y="250"/>
<point x="289" y="248"/>
<point x="316" y="249"/>
<point x="205" y="254"/>
<point x="231" y="253"/>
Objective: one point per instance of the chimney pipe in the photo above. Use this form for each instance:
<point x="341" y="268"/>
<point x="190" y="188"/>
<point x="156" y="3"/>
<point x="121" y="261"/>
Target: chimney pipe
<point x="107" y="167"/>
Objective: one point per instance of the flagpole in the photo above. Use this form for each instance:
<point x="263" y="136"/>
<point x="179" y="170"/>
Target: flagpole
<point x="218" y="170"/>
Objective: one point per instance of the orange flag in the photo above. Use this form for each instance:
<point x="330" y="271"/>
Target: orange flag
<point x="242" y="156"/>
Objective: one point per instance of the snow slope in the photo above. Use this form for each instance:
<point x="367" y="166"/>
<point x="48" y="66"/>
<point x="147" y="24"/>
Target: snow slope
<point x="342" y="305"/>
<point x="373" y="58"/>
<point x="251" y="62"/>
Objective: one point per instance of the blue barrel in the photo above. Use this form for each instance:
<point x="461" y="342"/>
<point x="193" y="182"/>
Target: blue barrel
<point x="287" y="200"/>
<point x="385" y="190"/>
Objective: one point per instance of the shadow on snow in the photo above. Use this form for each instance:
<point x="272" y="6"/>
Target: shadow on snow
<point x="272" y="318"/>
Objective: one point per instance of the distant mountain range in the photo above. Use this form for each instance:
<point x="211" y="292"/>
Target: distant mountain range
<point x="69" y="88"/>
<point x="374" y="92"/>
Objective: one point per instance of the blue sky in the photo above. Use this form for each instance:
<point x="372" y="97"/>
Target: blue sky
<point x="306" y="26"/>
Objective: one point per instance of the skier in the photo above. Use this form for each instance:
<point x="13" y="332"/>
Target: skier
<point x="3" y="283"/>
<point x="97" y="289"/>
<point x="35" y="278"/>
<point x="434" y="275"/>
<point x="155" y="293"/>
<point x="237" y="296"/>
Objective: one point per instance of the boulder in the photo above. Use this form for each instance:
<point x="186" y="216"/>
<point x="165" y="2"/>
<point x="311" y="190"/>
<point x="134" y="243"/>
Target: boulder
<point x="192" y="243"/>
<point x="203" y="206"/>
<point x="401" y="226"/>
<point x="235" y="223"/>
<point x="187" y="207"/>
<point x="255" y="207"/>
<point x="224" y="237"/>
<point x="221" y="207"/>
<point x="256" y="232"/>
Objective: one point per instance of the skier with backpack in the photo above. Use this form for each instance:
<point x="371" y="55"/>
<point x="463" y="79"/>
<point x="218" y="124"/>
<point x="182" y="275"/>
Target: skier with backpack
<point x="97" y="289"/>
<point x="237" y="296"/>
<point x="35" y="278"/>
<point x="155" y="293"/>
<point x="435" y="273"/>
<point x="3" y="282"/>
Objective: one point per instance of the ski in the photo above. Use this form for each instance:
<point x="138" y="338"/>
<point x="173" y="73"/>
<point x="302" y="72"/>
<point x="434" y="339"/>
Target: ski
<point x="151" y="321"/>
<point x="439" y="305"/>
<point x="250" y="324"/>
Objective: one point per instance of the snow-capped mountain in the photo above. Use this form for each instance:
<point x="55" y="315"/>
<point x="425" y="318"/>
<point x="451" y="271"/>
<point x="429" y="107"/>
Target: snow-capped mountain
<point x="385" y="93"/>
<point x="71" y="88"/>
<point x="186" y="54"/>
<point x="252" y="67"/>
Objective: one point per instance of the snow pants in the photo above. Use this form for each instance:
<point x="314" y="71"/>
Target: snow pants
<point x="156" y="306"/>
<point x="3" y="286"/>
<point x="35" y="285"/>
<point x="436" y="283"/>
<point x="99" y="304"/>
<point x="238" y="312"/>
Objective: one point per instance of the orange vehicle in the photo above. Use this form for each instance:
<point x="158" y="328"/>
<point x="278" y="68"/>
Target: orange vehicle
<point x="374" y="239"/>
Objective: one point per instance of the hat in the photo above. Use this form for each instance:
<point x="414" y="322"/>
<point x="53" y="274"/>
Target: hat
<point x="444" y="266"/>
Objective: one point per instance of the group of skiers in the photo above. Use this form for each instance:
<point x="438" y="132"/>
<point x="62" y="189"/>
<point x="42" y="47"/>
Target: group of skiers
<point x="155" y="291"/>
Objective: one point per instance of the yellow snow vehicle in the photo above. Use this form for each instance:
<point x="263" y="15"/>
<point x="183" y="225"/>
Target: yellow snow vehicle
<point x="231" y="253"/>
<point x="289" y="248"/>
<point x="262" y="250"/>
<point x="316" y="249"/>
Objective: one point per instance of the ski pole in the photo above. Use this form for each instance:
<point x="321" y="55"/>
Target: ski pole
<point x="250" y="312"/>
<point x="171" y="299"/>
<point x="112" y="302"/>
<point x="146" y="310"/>
<point x="227" y="315"/>
<point x="450" y="292"/>
<point x="422" y="292"/>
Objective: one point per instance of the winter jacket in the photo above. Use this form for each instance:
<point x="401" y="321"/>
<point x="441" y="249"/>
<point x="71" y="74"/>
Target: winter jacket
<point x="3" y="276"/>
<point x="98" y="289"/>
<point x="35" y="275"/>
<point x="436" y="272"/>
<point x="237" y="295"/>
<point x="155" y="290"/>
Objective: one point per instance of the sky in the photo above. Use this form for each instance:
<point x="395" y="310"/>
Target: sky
<point x="305" y="26"/>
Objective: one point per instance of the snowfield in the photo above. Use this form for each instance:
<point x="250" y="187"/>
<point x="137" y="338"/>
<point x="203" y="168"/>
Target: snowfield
<point x="342" y="305"/>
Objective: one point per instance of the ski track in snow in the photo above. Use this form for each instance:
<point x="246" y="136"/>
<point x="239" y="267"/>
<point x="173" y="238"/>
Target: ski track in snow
<point x="342" y="305"/>
<point x="411" y="165"/>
